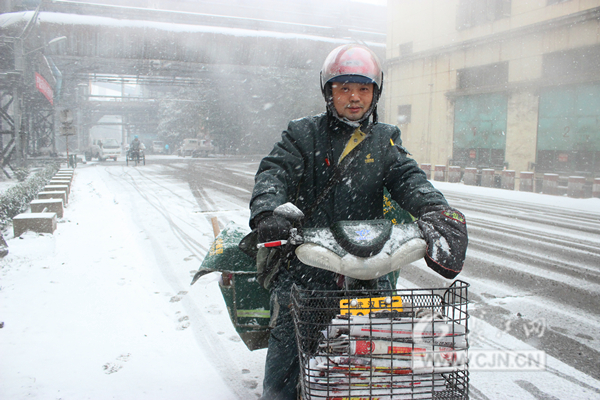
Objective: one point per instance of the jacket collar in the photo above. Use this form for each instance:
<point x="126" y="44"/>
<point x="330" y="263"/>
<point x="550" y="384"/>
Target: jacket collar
<point x="337" y="126"/>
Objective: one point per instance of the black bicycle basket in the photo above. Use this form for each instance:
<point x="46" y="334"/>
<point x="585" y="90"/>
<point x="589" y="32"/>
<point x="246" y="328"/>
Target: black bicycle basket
<point x="383" y="344"/>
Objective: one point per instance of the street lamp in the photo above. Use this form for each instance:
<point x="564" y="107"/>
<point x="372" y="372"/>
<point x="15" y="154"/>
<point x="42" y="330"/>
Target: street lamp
<point x="55" y="40"/>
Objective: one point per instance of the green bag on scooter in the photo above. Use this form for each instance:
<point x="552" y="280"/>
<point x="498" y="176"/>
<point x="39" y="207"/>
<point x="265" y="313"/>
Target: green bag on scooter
<point x="246" y="300"/>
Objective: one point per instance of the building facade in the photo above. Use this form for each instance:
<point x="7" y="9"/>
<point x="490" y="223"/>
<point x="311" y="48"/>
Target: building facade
<point x="497" y="83"/>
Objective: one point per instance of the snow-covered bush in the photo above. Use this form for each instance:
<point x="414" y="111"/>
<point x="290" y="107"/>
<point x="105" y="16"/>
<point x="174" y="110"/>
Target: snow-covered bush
<point x="15" y="199"/>
<point x="21" y="173"/>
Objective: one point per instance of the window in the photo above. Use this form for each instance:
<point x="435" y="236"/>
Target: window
<point x="478" y="12"/>
<point x="111" y="144"/>
<point x="485" y="75"/>
<point x="564" y="64"/>
<point x="404" y="112"/>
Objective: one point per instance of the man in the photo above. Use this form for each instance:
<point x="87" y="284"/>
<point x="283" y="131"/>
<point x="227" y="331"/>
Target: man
<point x="299" y="169"/>
<point x="135" y="144"/>
<point x="134" y="148"/>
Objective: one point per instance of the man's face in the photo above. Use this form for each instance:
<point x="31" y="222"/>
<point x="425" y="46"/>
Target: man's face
<point x="352" y="100"/>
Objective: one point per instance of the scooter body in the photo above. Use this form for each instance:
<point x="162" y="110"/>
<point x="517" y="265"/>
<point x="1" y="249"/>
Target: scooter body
<point x="382" y="247"/>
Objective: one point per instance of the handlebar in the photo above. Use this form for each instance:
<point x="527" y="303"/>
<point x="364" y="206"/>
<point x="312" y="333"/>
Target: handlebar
<point x="275" y="243"/>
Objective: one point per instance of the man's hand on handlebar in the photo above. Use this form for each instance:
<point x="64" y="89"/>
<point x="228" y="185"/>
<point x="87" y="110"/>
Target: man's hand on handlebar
<point x="445" y="231"/>
<point x="278" y="232"/>
<point x="271" y="227"/>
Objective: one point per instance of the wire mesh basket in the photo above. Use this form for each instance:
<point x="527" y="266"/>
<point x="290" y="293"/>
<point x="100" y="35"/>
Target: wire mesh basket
<point x="383" y="344"/>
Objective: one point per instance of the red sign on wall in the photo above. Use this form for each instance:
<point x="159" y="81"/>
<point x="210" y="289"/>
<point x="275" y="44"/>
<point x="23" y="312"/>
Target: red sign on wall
<point x="44" y="87"/>
<point x="563" y="157"/>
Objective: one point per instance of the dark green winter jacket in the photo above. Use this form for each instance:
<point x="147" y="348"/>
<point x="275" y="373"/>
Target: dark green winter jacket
<point x="297" y="170"/>
<point x="300" y="165"/>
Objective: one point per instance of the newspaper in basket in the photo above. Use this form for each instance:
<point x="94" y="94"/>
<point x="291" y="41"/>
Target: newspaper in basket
<point x="397" y="344"/>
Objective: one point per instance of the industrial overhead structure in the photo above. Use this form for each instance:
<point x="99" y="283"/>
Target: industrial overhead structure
<point x="52" y="51"/>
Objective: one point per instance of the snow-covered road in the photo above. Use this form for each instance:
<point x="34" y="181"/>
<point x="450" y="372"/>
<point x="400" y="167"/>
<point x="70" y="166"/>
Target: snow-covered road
<point x="103" y="308"/>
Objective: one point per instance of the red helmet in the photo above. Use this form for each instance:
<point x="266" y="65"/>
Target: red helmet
<point x="352" y="63"/>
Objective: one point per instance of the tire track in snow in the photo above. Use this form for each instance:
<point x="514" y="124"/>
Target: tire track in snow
<point x="195" y="247"/>
<point x="538" y="263"/>
<point x="542" y="236"/>
<point x="497" y="346"/>
<point x="202" y="176"/>
<point x="207" y="205"/>
<point x="523" y="212"/>
<point x="206" y="338"/>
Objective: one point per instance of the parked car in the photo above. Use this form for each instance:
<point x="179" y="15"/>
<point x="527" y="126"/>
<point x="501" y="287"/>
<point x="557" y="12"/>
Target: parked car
<point x="195" y="148"/>
<point x="103" y="149"/>
<point x="158" y="147"/>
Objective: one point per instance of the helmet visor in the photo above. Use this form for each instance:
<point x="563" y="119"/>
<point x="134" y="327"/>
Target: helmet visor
<point x="352" y="79"/>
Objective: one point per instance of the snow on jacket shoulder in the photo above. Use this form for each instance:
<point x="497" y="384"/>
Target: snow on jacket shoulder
<point x="300" y="165"/>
